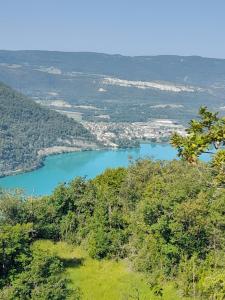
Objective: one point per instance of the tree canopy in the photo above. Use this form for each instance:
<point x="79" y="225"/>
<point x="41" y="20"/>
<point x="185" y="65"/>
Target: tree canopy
<point x="206" y="135"/>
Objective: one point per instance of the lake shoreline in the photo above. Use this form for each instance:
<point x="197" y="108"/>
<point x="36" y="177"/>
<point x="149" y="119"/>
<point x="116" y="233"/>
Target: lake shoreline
<point x="41" y="161"/>
<point x="64" y="167"/>
<point x="42" y="158"/>
<point x="45" y="154"/>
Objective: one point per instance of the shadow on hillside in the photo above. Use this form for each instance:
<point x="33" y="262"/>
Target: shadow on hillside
<point x="72" y="262"/>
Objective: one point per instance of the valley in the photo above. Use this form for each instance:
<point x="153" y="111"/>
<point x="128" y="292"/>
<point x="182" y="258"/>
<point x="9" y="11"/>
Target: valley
<point x="116" y="101"/>
<point x="119" y="134"/>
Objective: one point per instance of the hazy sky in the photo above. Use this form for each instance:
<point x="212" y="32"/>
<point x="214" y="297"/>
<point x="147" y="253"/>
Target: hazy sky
<point x="129" y="27"/>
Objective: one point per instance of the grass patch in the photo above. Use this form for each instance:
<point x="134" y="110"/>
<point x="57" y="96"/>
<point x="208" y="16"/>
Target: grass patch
<point x="105" y="279"/>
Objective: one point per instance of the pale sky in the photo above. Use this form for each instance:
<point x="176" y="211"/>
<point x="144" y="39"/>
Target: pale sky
<point x="129" y="27"/>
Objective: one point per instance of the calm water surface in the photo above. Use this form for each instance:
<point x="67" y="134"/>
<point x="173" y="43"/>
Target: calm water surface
<point x="64" y="167"/>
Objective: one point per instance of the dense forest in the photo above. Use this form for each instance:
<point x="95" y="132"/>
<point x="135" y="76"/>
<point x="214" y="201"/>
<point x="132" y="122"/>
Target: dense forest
<point x="165" y="218"/>
<point x="26" y="128"/>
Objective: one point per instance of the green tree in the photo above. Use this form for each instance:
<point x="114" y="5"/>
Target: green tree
<point x="206" y="135"/>
<point x="42" y="279"/>
<point x="12" y="208"/>
<point x="14" y="249"/>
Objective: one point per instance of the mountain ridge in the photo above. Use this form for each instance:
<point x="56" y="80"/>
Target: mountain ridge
<point x="78" y="78"/>
<point x="112" y="54"/>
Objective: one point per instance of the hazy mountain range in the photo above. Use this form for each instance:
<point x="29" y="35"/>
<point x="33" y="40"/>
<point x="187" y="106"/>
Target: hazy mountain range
<point x="117" y="88"/>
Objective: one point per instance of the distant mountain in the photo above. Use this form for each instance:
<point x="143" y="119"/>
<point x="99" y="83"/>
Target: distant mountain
<point x="102" y="87"/>
<point x="29" y="131"/>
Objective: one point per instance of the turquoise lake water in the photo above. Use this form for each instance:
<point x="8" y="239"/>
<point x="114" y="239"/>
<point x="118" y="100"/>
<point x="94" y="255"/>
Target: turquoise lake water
<point x="64" y="167"/>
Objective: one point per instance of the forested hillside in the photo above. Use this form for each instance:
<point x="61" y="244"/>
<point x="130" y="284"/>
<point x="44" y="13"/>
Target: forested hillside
<point x="26" y="128"/>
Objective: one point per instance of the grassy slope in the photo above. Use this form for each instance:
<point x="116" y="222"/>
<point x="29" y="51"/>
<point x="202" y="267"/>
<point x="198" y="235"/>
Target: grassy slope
<point x="105" y="279"/>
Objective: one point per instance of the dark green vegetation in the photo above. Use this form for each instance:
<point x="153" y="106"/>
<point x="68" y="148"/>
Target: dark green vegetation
<point x="33" y="274"/>
<point x="165" y="218"/>
<point x="78" y="78"/>
<point x="26" y="128"/>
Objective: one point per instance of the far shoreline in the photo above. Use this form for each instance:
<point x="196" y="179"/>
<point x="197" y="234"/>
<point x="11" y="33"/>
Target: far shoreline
<point x="42" y="158"/>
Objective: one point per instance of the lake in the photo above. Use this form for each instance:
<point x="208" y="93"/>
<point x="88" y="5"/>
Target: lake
<point x="64" y="167"/>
